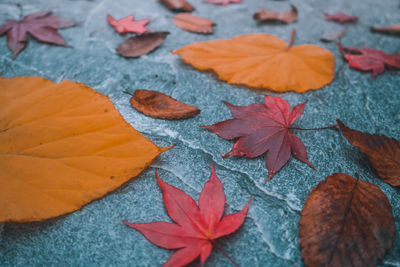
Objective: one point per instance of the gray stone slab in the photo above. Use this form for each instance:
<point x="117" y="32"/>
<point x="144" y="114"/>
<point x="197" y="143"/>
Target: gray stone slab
<point x="95" y="236"/>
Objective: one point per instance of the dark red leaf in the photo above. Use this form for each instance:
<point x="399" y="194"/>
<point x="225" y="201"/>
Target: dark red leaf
<point x="383" y="152"/>
<point x="196" y="227"/>
<point x="341" y="18"/>
<point x="192" y="23"/>
<point x="270" y="16"/>
<point x="177" y="5"/>
<point x="141" y="44"/>
<point x="368" y="59"/>
<point x="392" y="29"/>
<point x="41" y="25"/>
<point x="263" y="128"/>
<point x="128" y="24"/>
<point x="159" y="105"/>
<point x="346" y="222"/>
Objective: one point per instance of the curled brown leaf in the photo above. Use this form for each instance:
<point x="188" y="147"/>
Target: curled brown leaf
<point x="346" y="222"/>
<point x="141" y="44"/>
<point x="192" y="23"/>
<point x="392" y="29"/>
<point x="383" y="152"/>
<point x="177" y="5"/>
<point x="270" y="16"/>
<point x="159" y="105"/>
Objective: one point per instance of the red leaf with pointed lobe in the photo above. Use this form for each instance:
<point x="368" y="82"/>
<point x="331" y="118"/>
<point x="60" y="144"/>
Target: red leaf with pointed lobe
<point x="263" y="128"/>
<point x="368" y="59"/>
<point x="41" y="25"/>
<point x="196" y="226"/>
<point x="222" y="2"/>
<point x="128" y="24"/>
<point x="341" y="18"/>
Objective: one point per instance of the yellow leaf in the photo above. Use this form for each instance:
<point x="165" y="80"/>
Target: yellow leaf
<point x="263" y="61"/>
<point x="62" y="146"/>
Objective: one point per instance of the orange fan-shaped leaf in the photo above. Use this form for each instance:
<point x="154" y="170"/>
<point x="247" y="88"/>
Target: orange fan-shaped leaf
<point x="263" y="61"/>
<point x="62" y="146"/>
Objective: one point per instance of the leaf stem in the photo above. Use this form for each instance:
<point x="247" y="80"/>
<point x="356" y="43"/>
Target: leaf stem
<point x="126" y="92"/>
<point x="311" y="129"/>
<point x="223" y="252"/>
<point x="21" y="12"/>
<point x="291" y="39"/>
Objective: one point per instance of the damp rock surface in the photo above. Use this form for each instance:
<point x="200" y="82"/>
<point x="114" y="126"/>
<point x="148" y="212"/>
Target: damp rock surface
<point x="95" y="235"/>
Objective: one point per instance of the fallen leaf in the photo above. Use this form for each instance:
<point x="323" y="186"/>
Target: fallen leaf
<point x="159" y="105"/>
<point x="345" y="222"/>
<point x="263" y="61"/>
<point x="41" y="25"/>
<point x="139" y="45"/>
<point x="383" y="152"/>
<point x="177" y="5"/>
<point x="263" y="129"/>
<point x="61" y="147"/>
<point x="333" y="36"/>
<point x="341" y="18"/>
<point x="192" y="23"/>
<point x="197" y="226"/>
<point x="128" y="24"/>
<point x="368" y="59"/>
<point x="270" y="16"/>
<point x="392" y="29"/>
<point x="222" y="2"/>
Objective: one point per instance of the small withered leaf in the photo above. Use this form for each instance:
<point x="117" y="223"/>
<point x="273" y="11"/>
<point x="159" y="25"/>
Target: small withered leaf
<point x="192" y="23"/>
<point x="333" y="36"/>
<point x="392" y="29"/>
<point x="345" y="222"/>
<point x="341" y="18"/>
<point x="383" y="152"/>
<point x="177" y="5"/>
<point x="139" y="45"/>
<point x="159" y="105"/>
<point x="270" y="16"/>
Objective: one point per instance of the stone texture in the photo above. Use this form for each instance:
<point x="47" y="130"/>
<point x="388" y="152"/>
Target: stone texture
<point x="95" y="234"/>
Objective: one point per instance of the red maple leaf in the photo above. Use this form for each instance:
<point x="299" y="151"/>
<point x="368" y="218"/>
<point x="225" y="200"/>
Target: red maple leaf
<point x="41" y="25"/>
<point x="341" y="18"/>
<point x="264" y="128"/>
<point x="222" y="2"/>
<point x="128" y="24"/>
<point x="369" y="59"/>
<point x="196" y="227"/>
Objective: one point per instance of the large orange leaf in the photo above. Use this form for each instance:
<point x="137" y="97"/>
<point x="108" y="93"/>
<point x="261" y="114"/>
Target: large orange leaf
<point x="263" y="61"/>
<point x="62" y="146"/>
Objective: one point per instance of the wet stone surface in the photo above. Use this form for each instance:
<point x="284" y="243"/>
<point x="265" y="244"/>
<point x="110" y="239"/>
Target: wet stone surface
<point x="95" y="234"/>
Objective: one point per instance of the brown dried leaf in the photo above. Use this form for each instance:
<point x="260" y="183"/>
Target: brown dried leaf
<point x="333" y="36"/>
<point x="383" y="152"/>
<point x="270" y="16"/>
<point x="159" y="105"/>
<point x="177" y="5"/>
<point x="141" y="44"/>
<point x="192" y="23"/>
<point x="345" y="222"/>
<point x="393" y="29"/>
